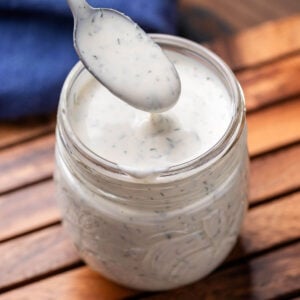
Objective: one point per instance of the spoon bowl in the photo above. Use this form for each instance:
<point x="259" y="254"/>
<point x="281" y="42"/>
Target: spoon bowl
<point x="120" y="55"/>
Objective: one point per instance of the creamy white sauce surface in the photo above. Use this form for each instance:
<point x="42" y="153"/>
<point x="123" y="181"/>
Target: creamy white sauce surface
<point x="143" y="144"/>
<point x="126" y="60"/>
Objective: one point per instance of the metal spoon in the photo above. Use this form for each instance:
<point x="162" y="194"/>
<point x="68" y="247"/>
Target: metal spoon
<point x="120" y="55"/>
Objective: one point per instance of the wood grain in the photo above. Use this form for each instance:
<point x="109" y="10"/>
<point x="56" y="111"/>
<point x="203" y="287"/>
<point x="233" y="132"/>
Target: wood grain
<point x="34" y="255"/>
<point x="250" y="44"/>
<point x="266" y="277"/>
<point x="32" y="161"/>
<point x="50" y="249"/>
<point x="79" y="284"/>
<point x="271" y="175"/>
<point x="16" y="132"/>
<point x="260" y="44"/>
<point x="274" y="127"/>
<point x="27" y="209"/>
<point x="274" y="174"/>
<point x="269" y="225"/>
<point x="26" y="163"/>
<point x="271" y="83"/>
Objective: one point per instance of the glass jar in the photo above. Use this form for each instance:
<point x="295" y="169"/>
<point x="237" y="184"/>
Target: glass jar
<point x="154" y="234"/>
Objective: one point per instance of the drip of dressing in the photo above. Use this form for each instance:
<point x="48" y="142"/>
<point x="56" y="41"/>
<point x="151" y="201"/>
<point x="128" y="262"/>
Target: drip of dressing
<point x="124" y="58"/>
<point x="142" y="144"/>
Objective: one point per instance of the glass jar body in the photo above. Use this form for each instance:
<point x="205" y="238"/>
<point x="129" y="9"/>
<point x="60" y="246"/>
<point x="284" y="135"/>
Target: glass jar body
<point x="153" y="234"/>
<point x="159" y="247"/>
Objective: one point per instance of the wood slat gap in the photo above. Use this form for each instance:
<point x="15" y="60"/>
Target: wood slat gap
<point x="27" y="139"/>
<point x="26" y="163"/>
<point x="274" y="198"/>
<point x="45" y="253"/>
<point x="275" y="150"/>
<point x="224" y="266"/>
<point x="248" y="257"/>
<point x="275" y="127"/>
<point x="23" y="186"/>
<point x="235" y="263"/>
<point x="265" y="106"/>
<point x="292" y="295"/>
<point x="259" y="65"/>
<point x="13" y="132"/>
<point x="255" y="45"/>
<point x="208" y="287"/>
<point x="41" y="277"/>
<point x="25" y="233"/>
<point x="230" y="264"/>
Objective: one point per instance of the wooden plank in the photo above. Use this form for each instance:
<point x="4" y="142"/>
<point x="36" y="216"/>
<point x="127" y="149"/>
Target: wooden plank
<point x="260" y="44"/>
<point x="35" y="206"/>
<point x="27" y="209"/>
<point x="239" y="19"/>
<point x="220" y="11"/>
<point x="78" y="284"/>
<point x="269" y="225"/>
<point x="275" y="173"/>
<point x="267" y="277"/>
<point x="15" y="132"/>
<point x="31" y="161"/>
<point x="49" y="250"/>
<point x="26" y="163"/>
<point x="34" y="255"/>
<point x="274" y="127"/>
<point x="271" y="83"/>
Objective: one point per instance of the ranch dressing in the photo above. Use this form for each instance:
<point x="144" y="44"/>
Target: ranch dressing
<point x="142" y="144"/>
<point x="178" y="213"/>
<point x="124" y="58"/>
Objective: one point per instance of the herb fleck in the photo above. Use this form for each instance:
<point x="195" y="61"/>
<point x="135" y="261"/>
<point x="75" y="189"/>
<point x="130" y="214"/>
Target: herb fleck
<point x="171" y="142"/>
<point x="168" y="236"/>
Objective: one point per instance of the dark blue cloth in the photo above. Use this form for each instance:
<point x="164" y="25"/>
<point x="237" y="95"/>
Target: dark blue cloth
<point x="36" y="48"/>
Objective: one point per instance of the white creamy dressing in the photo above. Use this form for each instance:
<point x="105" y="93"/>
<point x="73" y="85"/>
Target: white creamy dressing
<point x="126" y="60"/>
<point x="143" y="144"/>
<point x="145" y="233"/>
<point x="142" y="232"/>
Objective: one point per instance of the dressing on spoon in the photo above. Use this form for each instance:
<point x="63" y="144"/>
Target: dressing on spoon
<point x="124" y="58"/>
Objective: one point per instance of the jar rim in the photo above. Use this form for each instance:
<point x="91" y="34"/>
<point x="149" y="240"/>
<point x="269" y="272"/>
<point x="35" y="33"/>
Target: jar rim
<point x="203" y="161"/>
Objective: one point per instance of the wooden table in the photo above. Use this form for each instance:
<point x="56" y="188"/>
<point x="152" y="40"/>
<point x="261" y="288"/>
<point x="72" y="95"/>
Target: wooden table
<point x="38" y="260"/>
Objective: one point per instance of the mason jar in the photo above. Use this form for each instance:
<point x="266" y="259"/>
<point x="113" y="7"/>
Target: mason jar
<point x="154" y="233"/>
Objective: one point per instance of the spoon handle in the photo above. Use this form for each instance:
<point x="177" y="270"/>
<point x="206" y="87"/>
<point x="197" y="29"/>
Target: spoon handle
<point x="79" y="8"/>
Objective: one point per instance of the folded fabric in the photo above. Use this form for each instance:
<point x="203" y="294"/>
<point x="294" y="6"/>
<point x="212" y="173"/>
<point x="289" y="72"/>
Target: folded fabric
<point x="37" y="52"/>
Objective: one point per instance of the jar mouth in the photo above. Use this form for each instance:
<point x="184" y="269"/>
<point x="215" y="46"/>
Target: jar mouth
<point x="203" y="161"/>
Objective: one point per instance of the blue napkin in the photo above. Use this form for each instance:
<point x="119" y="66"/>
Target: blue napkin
<point x="36" y="48"/>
